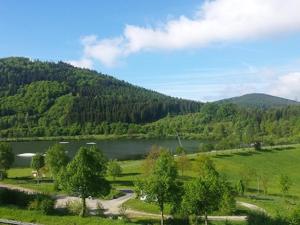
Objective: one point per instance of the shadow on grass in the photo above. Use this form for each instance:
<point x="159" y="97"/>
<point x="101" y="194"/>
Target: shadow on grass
<point x="223" y="156"/>
<point x="129" y="174"/>
<point x="122" y="183"/>
<point x="263" y="219"/>
<point x="247" y="153"/>
<point x="30" y="180"/>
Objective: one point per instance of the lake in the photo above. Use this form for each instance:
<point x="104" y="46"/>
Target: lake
<point x="113" y="149"/>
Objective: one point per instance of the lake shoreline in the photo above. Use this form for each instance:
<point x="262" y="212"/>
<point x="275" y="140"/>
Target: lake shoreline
<point x="99" y="138"/>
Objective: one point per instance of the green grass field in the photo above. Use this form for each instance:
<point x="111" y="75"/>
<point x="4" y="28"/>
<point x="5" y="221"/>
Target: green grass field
<point x="271" y="162"/>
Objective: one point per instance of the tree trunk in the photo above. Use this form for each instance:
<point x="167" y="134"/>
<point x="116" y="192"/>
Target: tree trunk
<point x="162" y="217"/>
<point x="205" y="218"/>
<point x="82" y="213"/>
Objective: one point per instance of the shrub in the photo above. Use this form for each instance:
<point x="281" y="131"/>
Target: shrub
<point x="14" y="197"/>
<point x="74" y="207"/>
<point x="42" y="203"/>
<point x="47" y="206"/>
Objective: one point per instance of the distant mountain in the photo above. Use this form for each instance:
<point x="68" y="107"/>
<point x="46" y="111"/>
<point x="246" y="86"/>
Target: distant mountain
<point x="44" y="99"/>
<point x="259" y="100"/>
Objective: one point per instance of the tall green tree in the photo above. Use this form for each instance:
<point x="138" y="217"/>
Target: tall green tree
<point x="37" y="163"/>
<point x="114" y="169"/>
<point x="208" y="192"/>
<point x="56" y="159"/>
<point x="85" y="175"/>
<point x="162" y="186"/>
<point x="7" y="158"/>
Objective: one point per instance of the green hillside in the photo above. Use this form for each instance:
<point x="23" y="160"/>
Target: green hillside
<point x="46" y="99"/>
<point x="260" y="100"/>
<point x="230" y="126"/>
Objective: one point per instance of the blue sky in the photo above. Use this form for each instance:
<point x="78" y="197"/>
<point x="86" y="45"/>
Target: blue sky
<point x="191" y="49"/>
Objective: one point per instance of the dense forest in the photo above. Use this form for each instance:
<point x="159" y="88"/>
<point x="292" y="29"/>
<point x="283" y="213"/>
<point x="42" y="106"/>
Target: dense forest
<point x="229" y="125"/>
<point x="45" y="99"/>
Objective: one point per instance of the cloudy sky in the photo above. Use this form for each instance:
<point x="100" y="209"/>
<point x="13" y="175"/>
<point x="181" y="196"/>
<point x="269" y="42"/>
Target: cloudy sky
<point x="201" y="50"/>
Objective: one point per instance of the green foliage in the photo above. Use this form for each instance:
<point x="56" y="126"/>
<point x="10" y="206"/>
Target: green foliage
<point x="183" y="163"/>
<point x="180" y="150"/>
<point x="56" y="159"/>
<point x="37" y="163"/>
<point x="84" y="175"/>
<point x="240" y="187"/>
<point x="14" y="197"/>
<point x="114" y="169"/>
<point x="208" y="192"/>
<point x="162" y="186"/>
<point x="7" y="158"/>
<point x="52" y="99"/>
<point x="42" y="203"/>
<point x="206" y="147"/>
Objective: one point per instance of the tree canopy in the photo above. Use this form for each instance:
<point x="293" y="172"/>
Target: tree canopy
<point x="85" y="175"/>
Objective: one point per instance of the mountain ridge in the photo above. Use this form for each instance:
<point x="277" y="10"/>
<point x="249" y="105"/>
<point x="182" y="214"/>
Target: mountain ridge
<point x="260" y="100"/>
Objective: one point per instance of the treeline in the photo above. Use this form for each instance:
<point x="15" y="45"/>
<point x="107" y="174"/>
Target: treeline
<point x="37" y="96"/>
<point x="229" y="126"/>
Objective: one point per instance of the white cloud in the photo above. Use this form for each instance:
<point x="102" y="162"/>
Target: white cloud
<point x="82" y="63"/>
<point x="217" y="21"/>
<point x="286" y="86"/>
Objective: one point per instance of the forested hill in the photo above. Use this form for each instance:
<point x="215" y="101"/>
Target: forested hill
<point x="260" y="101"/>
<point x="231" y="126"/>
<point x="44" y="98"/>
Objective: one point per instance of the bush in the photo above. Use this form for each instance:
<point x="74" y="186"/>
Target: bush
<point x="47" y="206"/>
<point x="206" y="147"/>
<point x="256" y="218"/>
<point x="74" y="207"/>
<point x="43" y="203"/>
<point x="15" y="197"/>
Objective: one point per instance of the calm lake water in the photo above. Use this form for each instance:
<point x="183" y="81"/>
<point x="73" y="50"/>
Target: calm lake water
<point x="113" y="149"/>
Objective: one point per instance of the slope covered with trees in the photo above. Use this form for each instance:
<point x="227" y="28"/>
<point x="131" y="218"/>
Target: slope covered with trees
<point x="230" y="126"/>
<point x="45" y="99"/>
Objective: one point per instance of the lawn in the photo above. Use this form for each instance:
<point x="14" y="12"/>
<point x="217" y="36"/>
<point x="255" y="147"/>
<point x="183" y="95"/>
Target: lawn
<point x="24" y="215"/>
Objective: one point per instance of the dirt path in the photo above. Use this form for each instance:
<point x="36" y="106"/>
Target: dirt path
<point x="111" y="207"/>
<point x="252" y="207"/>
